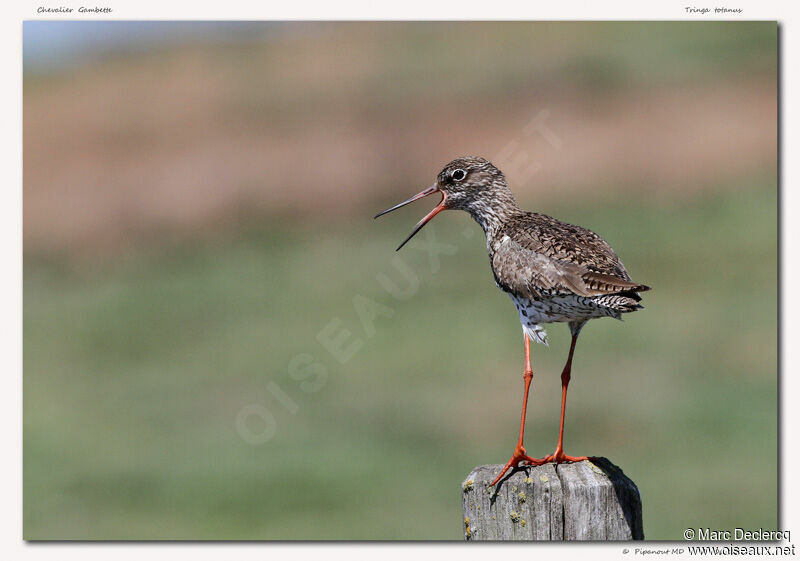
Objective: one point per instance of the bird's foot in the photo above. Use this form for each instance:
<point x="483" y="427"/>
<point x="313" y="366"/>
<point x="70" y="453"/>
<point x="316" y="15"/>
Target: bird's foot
<point x="519" y="457"/>
<point x="559" y="457"/>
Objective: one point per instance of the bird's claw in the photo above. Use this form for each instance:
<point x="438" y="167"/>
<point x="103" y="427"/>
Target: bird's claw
<point x="521" y="459"/>
<point x="518" y="458"/>
<point x="559" y="457"/>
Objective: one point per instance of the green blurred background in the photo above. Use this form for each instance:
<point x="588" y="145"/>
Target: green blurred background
<point x="198" y="204"/>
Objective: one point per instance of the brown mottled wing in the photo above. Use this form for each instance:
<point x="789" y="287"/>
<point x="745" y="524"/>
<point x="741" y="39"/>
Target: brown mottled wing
<point x="541" y="255"/>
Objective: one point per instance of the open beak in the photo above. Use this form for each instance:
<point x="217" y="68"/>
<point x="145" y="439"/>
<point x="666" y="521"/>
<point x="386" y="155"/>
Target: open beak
<point x="436" y="210"/>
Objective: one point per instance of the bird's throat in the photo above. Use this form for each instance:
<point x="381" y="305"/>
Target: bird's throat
<point x="492" y="215"/>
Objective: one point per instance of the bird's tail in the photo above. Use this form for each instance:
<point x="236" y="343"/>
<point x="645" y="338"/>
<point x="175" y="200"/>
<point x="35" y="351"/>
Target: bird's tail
<point x="620" y="302"/>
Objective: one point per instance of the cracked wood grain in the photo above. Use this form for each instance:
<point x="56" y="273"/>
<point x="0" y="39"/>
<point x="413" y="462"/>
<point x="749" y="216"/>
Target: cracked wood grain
<point x="582" y="501"/>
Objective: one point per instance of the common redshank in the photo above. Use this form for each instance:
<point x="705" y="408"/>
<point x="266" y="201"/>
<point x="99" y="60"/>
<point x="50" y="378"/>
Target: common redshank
<point x="553" y="271"/>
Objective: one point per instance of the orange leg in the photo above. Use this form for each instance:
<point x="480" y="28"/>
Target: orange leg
<point x="558" y="456"/>
<point x="519" y="452"/>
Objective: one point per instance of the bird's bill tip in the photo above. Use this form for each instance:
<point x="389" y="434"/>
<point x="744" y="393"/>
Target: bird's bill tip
<point x="429" y="191"/>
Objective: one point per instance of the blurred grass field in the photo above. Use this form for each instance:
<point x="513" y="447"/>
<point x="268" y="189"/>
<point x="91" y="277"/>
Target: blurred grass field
<point x="195" y="215"/>
<point x="135" y="373"/>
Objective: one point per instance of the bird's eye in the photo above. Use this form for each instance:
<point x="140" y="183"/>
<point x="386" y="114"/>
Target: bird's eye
<point x="459" y="174"/>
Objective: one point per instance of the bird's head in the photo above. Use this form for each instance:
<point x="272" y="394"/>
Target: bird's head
<point x="469" y="183"/>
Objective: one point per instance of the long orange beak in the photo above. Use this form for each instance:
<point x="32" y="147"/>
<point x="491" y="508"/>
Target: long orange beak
<point x="428" y="217"/>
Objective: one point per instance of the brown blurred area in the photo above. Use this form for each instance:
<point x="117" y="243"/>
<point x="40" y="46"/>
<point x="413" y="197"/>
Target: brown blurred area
<point x="332" y="118"/>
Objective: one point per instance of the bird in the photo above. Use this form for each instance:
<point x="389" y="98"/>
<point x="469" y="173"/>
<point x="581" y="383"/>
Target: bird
<point x="554" y="272"/>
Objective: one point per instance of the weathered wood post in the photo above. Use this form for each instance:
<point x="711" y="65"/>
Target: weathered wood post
<point x="589" y="500"/>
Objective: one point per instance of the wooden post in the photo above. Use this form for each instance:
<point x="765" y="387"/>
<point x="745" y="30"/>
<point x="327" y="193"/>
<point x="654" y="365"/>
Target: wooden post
<point x="582" y="501"/>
